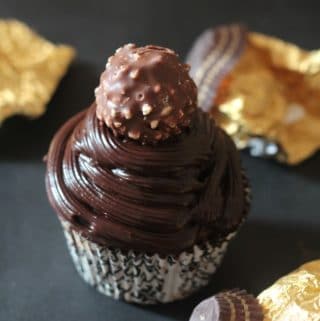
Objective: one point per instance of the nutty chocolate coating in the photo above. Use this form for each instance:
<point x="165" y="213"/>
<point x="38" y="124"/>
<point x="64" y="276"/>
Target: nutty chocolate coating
<point x="146" y="94"/>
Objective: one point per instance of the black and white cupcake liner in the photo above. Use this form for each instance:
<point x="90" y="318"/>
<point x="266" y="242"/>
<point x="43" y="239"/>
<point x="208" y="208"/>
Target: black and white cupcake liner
<point x="147" y="279"/>
<point x="142" y="278"/>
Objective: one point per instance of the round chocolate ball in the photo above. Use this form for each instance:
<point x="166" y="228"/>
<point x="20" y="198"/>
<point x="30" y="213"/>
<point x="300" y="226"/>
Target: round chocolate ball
<point x="146" y="94"/>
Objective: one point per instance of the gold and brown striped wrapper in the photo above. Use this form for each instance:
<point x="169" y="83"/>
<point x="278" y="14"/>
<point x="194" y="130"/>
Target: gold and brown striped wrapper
<point x="263" y="91"/>
<point x="230" y="305"/>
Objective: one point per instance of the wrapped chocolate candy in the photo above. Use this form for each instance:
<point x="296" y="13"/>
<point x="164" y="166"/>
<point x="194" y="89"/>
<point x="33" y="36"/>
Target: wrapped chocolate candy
<point x="295" y="296"/>
<point x="234" y="305"/>
<point x="30" y="70"/>
<point x="263" y="91"/>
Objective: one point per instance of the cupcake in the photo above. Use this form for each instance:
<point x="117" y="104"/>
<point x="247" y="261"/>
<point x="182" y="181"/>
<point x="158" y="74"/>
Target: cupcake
<point x="148" y="189"/>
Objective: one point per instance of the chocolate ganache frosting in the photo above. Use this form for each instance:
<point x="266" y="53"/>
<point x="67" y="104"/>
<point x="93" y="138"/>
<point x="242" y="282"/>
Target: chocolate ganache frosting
<point x="163" y="198"/>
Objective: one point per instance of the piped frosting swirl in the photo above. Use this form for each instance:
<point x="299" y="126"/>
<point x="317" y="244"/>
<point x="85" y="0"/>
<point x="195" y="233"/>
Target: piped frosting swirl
<point x="163" y="198"/>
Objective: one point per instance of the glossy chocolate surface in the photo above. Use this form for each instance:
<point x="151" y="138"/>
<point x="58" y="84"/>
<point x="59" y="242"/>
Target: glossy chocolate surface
<point x="162" y="198"/>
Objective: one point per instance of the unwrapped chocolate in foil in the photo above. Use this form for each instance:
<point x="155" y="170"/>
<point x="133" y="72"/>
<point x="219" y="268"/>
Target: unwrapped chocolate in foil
<point x="263" y="91"/>
<point x="294" y="297"/>
<point x="30" y="70"/>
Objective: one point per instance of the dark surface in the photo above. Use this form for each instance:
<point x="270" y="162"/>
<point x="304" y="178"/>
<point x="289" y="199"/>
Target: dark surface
<point x="37" y="279"/>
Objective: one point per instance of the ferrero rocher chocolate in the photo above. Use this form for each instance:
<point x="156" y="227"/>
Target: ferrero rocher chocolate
<point x="146" y="94"/>
<point x="30" y="69"/>
<point x="263" y="91"/>
<point x="295" y="296"/>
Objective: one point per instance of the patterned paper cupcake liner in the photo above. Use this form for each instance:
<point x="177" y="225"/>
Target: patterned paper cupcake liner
<point x="147" y="279"/>
<point x="142" y="278"/>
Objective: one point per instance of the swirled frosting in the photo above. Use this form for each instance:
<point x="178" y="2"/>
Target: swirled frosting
<point x="163" y="199"/>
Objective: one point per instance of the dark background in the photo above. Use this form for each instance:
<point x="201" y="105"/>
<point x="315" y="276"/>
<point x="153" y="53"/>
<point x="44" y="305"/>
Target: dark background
<point x="37" y="278"/>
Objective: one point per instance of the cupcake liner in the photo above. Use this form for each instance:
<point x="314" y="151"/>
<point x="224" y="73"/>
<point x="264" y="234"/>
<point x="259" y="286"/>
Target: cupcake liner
<point x="142" y="278"/>
<point x="147" y="279"/>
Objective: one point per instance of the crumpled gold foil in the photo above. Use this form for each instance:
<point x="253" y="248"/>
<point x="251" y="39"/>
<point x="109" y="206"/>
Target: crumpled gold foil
<point x="30" y="69"/>
<point x="295" y="297"/>
<point x="273" y="92"/>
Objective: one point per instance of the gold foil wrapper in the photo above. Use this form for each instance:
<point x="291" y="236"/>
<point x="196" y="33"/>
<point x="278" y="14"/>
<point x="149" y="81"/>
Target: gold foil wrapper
<point x="295" y="297"/>
<point x="30" y="70"/>
<point x="273" y="92"/>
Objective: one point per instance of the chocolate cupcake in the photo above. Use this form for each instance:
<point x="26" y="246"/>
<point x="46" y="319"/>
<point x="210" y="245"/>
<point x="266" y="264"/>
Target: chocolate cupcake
<point x="148" y="189"/>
